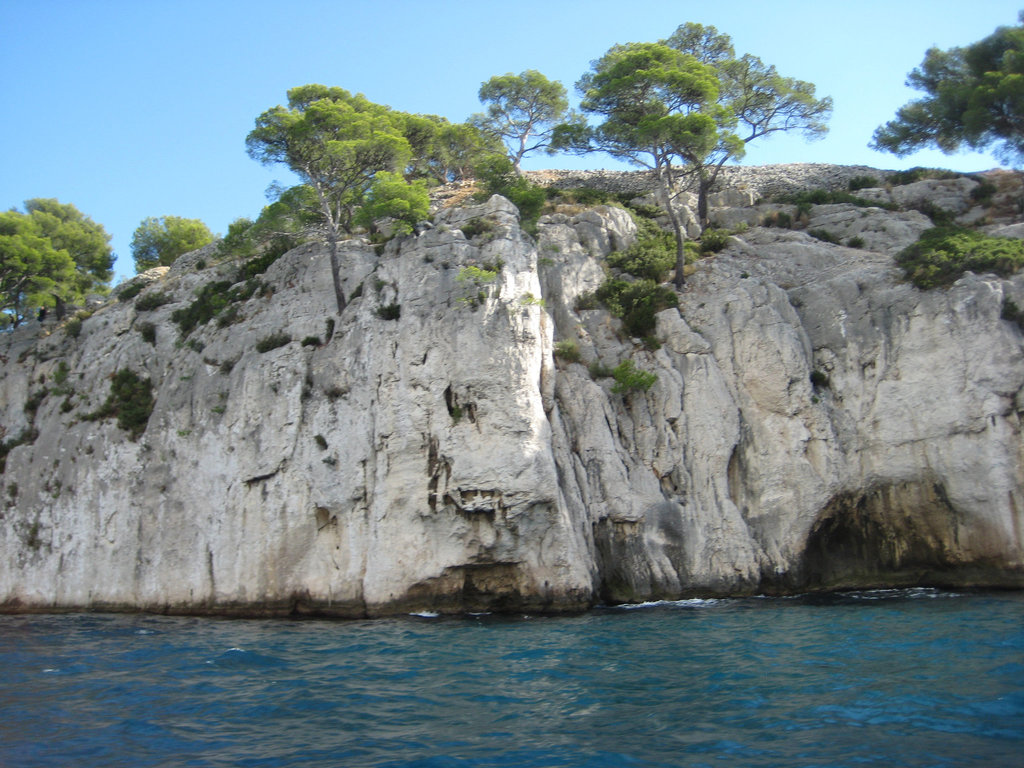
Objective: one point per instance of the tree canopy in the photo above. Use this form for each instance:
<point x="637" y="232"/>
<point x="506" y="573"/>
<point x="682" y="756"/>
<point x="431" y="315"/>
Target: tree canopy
<point x="50" y="256"/>
<point x="659" y="108"/>
<point x="689" y="103"/>
<point x="336" y="143"/>
<point x="974" y="98"/>
<point x="523" y="110"/>
<point x="158" y="241"/>
<point x="754" y="101"/>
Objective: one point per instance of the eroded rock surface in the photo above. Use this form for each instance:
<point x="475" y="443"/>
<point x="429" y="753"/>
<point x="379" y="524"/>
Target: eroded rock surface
<point x="816" y="423"/>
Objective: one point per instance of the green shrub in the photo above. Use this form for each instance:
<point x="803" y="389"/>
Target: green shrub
<point x="652" y="256"/>
<point x="899" y="178"/>
<point x="273" y="341"/>
<point x="389" y="311"/>
<point x="824" y="235"/>
<point x="820" y="380"/>
<point x="129" y="292"/>
<point x="855" y="242"/>
<point x="940" y="216"/>
<point x="27" y="437"/>
<point x="982" y="194"/>
<point x="73" y="327"/>
<point x="803" y="200"/>
<point x="636" y="303"/>
<point x="713" y="240"/>
<point x="568" y="350"/>
<point x="777" y="219"/>
<point x="130" y="400"/>
<point x="598" y="370"/>
<point x="861" y="182"/>
<point x="210" y="300"/>
<point x="629" y="378"/>
<point x="1012" y="312"/>
<point x="586" y="301"/>
<point x="943" y="254"/>
<point x="477" y="227"/>
<point x="321" y="442"/>
<point x="496" y="176"/>
<point x="153" y="300"/>
<point x="311" y="341"/>
<point x="580" y="196"/>
<point x="148" y="331"/>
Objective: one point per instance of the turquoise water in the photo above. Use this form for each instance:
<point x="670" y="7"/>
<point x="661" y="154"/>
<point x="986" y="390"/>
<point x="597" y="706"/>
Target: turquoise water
<point x="907" y="678"/>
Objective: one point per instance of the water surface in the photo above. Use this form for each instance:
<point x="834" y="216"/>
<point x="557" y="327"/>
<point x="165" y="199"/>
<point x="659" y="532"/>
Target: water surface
<point x="904" y="678"/>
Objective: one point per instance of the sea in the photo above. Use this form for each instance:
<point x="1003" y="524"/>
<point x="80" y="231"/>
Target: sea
<point x="916" y="677"/>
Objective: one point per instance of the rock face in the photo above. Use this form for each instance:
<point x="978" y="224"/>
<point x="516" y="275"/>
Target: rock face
<point x="815" y="423"/>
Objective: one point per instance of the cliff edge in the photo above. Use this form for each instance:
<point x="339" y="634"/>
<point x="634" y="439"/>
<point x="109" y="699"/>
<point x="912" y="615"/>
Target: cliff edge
<point x="816" y="423"/>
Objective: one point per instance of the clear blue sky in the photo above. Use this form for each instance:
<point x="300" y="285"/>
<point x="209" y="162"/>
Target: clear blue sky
<point x="136" y="108"/>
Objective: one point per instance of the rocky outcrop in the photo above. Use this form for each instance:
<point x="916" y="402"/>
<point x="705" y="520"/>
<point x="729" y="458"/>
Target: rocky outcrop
<point x="815" y="423"/>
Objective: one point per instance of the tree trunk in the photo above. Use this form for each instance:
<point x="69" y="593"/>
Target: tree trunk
<point x="664" y="187"/>
<point x="703" y="187"/>
<point x="339" y="289"/>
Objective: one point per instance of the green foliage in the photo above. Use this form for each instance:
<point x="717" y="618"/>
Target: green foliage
<point x="497" y="176"/>
<point x="943" y="254"/>
<point x="629" y="378"/>
<point x="86" y="242"/>
<point x="522" y="111"/>
<point x="824" y="235"/>
<point x="862" y="182"/>
<point x="1012" y="312"/>
<point x="152" y="300"/>
<point x="392" y="197"/>
<point x="598" y="370"/>
<point x="73" y="327"/>
<point x="651" y="257"/>
<point x="973" y="97"/>
<point x="159" y="241"/>
<point x="476" y="275"/>
<point x="777" y="219"/>
<point x="586" y="301"/>
<point x="713" y="240"/>
<point x="210" y="300"/>
<point x="131" y="290"/>
<point x="636" y="303"/>
<point x="982" y="194"/>
<point x="130" y="400"/>
<point x="27" y="437"/>
<point x="321" y="442"/>
<point x="568" y="350"/>
<point x="336" y="143"/>
<point x="855" y="242"/>
<point x="820" y="380"/>
<point x="33" y="273"/>
<point x="912" y="175"/>
<point x="811" y="197"/>
<point x="389" y="311"/>
<point x="477" y="227"/>
<point x="940" y="216"/>
<point x="148" y="331"/>
<point x="273" y="341"/>
<point x="444" y="152"/>
<point x="311" y="341"/>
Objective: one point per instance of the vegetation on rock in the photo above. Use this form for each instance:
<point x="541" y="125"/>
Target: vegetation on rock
<point x="943" y="254"/>
<point x="159" y="241"/>
<point x="50" y="256"/>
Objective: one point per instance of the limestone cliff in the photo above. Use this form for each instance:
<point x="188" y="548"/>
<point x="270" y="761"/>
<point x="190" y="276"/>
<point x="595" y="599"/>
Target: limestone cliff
<point x="816" y="423"/>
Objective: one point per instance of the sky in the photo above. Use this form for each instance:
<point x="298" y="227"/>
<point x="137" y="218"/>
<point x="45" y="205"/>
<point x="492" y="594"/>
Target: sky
<point x="137" y="108"/>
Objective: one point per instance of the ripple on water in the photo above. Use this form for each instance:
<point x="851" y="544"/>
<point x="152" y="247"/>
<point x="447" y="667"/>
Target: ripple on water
<point x="893" y="678"/>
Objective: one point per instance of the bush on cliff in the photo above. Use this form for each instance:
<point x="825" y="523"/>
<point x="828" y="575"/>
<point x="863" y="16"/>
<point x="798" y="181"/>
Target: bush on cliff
<point x="130" y="400"/>
<point x="943" y="254"/>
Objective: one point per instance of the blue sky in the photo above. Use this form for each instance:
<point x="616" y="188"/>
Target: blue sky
<point x="140" y="108"/>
